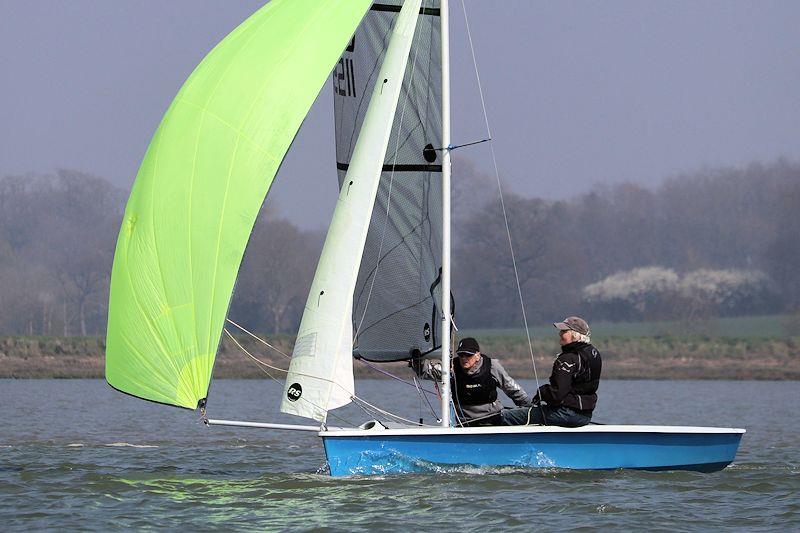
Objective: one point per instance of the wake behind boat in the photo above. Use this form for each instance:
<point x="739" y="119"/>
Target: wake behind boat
<point x="381" y="292"/>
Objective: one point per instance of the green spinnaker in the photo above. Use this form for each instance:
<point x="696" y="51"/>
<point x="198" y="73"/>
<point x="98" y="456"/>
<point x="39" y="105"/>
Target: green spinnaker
<point x="200" y="187"/>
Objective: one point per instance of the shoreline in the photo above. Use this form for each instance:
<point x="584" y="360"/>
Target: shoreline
<point x="657" y="358"/>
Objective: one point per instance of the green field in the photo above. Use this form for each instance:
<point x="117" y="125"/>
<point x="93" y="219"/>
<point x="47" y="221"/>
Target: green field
<point x="758" y="347"/>
<point x="744" y="327"/>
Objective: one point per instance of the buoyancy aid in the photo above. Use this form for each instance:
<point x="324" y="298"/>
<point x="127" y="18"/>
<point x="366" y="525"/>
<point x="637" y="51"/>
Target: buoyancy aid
<point x="478" y="388"/>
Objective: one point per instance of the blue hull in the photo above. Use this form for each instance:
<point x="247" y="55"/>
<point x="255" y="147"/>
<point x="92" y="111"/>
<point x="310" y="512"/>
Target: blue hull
<point x="568" y="449"/>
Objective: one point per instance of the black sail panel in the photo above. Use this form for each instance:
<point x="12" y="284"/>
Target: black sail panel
<point x="396" y="300"/>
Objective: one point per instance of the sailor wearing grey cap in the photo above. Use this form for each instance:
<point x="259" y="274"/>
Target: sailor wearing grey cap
<point x="571" y="395"/>
<point x="474" y="380"/>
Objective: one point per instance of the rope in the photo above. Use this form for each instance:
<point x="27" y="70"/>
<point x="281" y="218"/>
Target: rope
<point x="421" y="397"/>
<point x="396" y="378"/>
<point x="502" y="201"/>
<point x="387" y="413"/>
<point x="260" y="364"/>
<point x="259" y="339"/>
<point x="251" y="356"/>
<point x="367" y="412"/>
<point x="356" y="399"/>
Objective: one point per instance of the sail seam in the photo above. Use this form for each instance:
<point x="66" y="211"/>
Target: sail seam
<point x="165" y="310"/>
<point x="238" y="131"/>
<point x="219" y="240"/>
<point x="401" y="167"/>
<point x="278" y="65"/>
<point x="205" y="111"/>
<point x="150" y="325"/>
<point x="432" y="11"/>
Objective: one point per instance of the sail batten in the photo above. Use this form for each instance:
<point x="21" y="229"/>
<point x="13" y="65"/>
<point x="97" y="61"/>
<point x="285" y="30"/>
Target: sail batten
<point x="200" y="187"/>
<point x="321" y="373"/>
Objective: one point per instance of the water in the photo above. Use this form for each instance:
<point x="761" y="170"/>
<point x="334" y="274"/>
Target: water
<point x="76" y="454"/>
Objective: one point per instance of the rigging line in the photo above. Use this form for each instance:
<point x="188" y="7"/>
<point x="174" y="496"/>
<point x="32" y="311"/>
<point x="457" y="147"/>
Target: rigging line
<point x="260" y="362"/>
<point x="276" y="380"/>
<point x="251" y="356"/>
<point x="453" y="147"/>
<point x="369" y="413"/>
<point x="387" y="413"/>
<point x="256" y="337"/>
<point x="421" y="397"/>
<point x="391" y="181"/>
<point x="400" y="243"/>
<point x="390" y="315"/>
<point x="390" y="375"/>
<point x="500" y="193"/>
<point x="353" y="396"/>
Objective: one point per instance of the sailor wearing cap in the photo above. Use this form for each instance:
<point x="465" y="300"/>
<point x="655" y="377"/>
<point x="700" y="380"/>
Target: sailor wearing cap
<point x="571" y="396"/>
<point x="474" y="380"/>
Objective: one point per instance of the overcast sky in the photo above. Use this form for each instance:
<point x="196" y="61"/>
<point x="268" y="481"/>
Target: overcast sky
<point x="578" y="93"/>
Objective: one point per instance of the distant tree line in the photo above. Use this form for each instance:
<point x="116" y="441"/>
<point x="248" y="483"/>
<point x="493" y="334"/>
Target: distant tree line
<point x="714" y="242"/>
<point x="57" y="235"/>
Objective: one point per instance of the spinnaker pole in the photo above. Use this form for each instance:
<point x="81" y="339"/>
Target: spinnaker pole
<point x="446" y="325"/>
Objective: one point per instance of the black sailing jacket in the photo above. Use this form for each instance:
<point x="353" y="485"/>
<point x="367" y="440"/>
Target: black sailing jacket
<point x="575" y="377"/>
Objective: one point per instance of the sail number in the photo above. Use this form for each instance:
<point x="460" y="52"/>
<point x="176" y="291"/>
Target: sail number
<point x="344" y="79"/>
<point x="294" y="392"/>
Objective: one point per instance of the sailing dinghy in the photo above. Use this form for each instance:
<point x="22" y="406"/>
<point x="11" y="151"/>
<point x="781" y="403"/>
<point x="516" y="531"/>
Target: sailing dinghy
<point x="377" y="294"/>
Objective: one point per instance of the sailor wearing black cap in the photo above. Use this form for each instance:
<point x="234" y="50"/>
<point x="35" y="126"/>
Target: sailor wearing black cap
<point x="474" y="380"/>
<point x="571" y="395"/>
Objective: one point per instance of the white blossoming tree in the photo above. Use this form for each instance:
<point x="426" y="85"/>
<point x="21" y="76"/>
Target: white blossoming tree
<point x="657" y="292"/>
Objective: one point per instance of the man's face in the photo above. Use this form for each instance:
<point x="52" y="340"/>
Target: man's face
<point x="565" y="336"/>
<point x="468" y="361"/>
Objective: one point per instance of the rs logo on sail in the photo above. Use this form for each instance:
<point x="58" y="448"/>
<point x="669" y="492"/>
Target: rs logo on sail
<point x="294" y="392"/>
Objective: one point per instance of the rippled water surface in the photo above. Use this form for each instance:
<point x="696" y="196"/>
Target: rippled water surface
<point x="76" y="454"/>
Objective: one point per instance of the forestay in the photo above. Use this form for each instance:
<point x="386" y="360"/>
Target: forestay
<point x="395" y="306"/>
<point x="321" y="372"/>
<point x="200" y="187"/>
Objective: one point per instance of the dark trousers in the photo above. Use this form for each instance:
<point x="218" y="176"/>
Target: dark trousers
<point x="546" y="415"/>
<point x="493" y="420"/>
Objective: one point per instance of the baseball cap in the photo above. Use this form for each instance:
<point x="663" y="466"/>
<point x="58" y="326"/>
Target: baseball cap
<point x="468" y="346"/>
<point x="575" y="323"/>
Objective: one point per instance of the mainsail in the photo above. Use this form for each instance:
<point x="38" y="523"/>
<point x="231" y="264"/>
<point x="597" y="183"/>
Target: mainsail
<point x="200" y="187"/>
<point x="395" y="303"/>
<point x="321" y="372"/>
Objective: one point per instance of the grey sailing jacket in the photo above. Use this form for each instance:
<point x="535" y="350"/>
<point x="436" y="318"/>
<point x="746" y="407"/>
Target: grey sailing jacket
<point x="433" y="370"/>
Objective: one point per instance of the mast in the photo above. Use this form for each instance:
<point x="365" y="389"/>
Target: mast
<point x="445" y="22"/>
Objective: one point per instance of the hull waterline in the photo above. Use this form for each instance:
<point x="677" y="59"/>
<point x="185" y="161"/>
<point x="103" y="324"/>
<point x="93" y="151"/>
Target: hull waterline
<point x="393" y="451"/>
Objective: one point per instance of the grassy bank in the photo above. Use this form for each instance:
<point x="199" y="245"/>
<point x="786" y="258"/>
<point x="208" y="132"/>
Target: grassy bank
<point x="740" y="327"/>
<point x="664" y="356"/>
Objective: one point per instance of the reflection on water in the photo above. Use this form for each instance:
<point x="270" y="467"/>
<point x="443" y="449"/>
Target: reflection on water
<point x="75" y="454"/>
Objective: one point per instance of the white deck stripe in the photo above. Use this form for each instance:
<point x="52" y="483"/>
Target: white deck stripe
<point x="379" y="431"/>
